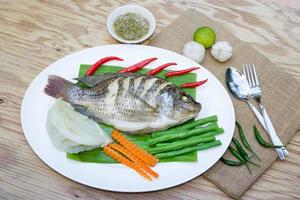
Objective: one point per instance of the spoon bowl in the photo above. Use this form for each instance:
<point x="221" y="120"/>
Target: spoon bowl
<point x="237" y="84"/>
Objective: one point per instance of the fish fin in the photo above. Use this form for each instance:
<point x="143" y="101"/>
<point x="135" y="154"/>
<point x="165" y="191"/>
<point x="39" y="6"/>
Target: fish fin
<point x="154" y="109"/>
<point x="81" y="109"/>
<point x="84" y="110"/>
<point x="91" y="81"/>
<point x="58" y="87"/>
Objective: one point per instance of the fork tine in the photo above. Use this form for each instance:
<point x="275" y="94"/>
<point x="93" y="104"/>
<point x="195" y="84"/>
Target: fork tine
<point x="252" y="75"/>
<point x="244" y="70"/>
<point x="255" y="75"/>
<point x="248" y="74"/>
<point x="245" y="73"/>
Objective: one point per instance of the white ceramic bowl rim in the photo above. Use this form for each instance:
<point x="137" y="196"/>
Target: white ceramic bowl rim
<point x="135" y="9"/>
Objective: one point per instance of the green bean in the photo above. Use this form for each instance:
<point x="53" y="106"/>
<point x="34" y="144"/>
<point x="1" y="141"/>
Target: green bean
<point x="170" y="131"/>
<point x="183" y="134"/>
<point x="187" y="126"/>
<point x="213" y="133"/>
<point x="262" y="142"/>
<point x="188" y="149"/>
<point x="237" y="155"/>
<point x="198" y="122"/>
<point x="231" y="162"/>
<point x="243" y="153"/>
<point x="181" y="144"/>
<point x="163" y="144"/>
<point x="208" y="134"/>
<point x="244" y="140"/>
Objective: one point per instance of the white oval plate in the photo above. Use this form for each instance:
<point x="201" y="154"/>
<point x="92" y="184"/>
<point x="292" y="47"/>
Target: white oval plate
<point x="115" y="177"/>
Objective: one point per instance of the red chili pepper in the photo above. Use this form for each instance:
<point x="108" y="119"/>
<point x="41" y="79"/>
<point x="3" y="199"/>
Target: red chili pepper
<point x="181" y="72"/>
<point x="137" y="66"/>
<point x="193" y="84"/>
<point x="100" y="62"/>
<point x="160" y="68"/>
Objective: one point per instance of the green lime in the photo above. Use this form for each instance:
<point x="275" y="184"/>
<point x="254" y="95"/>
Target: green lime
<point x="205" y="36"/>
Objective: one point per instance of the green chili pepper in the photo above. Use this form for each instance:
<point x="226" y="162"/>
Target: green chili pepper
<point x="236" y="154"/>
<point x="243" y="152"/>
<point x="244" y="140"/>
<point x="231" y="162"/>
<point x="262" y="142"/>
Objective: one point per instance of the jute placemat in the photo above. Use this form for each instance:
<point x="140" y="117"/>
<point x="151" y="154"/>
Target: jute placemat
<point x="281" y="96"/>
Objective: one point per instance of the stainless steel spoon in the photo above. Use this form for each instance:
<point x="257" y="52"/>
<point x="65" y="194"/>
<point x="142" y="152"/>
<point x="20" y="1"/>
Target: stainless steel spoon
<point x="239" y="86"/>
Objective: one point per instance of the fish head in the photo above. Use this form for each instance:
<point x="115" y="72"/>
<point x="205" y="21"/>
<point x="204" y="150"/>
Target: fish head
<point x="185" y="107"/>
<point x="178" y="105"/>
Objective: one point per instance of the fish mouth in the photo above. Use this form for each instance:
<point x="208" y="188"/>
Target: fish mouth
<point x="195" y="108"/>
<point x="190" y="112"/>
<point x="198" y="107"/>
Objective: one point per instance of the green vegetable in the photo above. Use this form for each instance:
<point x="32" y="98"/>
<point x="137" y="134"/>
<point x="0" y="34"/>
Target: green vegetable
<point x="213" y="133"/>
<point x="187" y="126"/>
<point x="170" y="131"/>
<point x="242" y="152"/>
<point x="188" y="149"/>
<point x="163" y="144"/>
<point x="231" y="162"/>
<point x="198" y="122"/>
<point x="262" y="142"/>
<point x="237" y="155"/>
<point x="244" y="140"/>
<point x="181" y="144"/>
<point x="208" y="134"/>
<point x="183" y="134"/>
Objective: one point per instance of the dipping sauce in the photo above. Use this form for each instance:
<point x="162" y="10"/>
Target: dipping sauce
<point x="131" y="26"/>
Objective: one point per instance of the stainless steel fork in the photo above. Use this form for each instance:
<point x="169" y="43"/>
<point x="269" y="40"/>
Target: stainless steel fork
<point x="256" y="93"/>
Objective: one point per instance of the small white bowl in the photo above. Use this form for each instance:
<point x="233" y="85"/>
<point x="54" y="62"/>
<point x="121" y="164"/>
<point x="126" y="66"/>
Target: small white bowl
<point x="134" y="9"/>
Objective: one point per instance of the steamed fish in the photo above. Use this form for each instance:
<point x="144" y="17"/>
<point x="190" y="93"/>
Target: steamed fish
<point x="132" y="103"/>
<point x="72" y="132"/>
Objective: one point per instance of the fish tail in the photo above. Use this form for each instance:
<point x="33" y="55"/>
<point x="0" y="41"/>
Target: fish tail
<point x="59" y="87"/>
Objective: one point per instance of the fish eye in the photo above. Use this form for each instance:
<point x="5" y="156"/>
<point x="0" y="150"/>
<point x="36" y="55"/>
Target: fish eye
<point x="184" y="98"/>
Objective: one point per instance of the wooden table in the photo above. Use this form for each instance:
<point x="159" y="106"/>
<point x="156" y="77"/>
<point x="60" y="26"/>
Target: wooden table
<point x="33" y="34"/>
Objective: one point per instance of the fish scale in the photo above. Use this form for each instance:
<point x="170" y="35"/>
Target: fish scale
<point x="110" y="98"/>
<point x="148" y="84"/>
<point x="132" y="103"/>
<point x="153" y="89"/>
<point x="141" y="86"/>
<point x="137" y="83"/>
<point x="155" y="94"/>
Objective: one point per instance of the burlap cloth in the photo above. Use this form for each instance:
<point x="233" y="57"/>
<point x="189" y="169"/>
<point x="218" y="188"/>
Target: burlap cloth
<point x="281" y="96"/>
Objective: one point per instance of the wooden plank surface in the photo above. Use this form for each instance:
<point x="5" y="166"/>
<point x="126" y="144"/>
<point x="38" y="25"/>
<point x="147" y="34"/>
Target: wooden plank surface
<point x="33" y="34"/>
